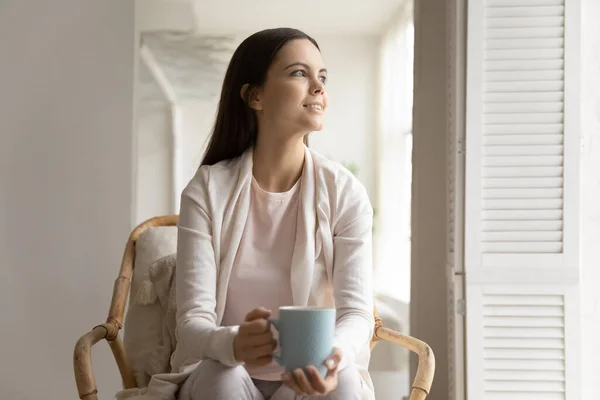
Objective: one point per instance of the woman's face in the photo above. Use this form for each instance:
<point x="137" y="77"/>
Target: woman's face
<point x="293" y="98"/>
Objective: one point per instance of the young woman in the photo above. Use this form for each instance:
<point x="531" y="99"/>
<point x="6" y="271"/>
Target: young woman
<point x="267" y="222"/>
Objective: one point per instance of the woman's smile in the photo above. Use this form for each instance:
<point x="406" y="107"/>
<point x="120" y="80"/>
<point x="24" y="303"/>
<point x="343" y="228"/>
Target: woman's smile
<point x="315" y="107"/>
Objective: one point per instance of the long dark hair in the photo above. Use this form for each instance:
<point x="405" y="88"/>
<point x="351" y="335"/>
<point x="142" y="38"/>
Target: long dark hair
<point x="235" y="127"/>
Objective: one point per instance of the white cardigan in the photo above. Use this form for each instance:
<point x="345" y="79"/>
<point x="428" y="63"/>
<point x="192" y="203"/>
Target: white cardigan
<point x="331" y="264"/>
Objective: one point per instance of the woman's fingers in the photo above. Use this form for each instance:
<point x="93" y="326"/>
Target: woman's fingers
<point x="258" y="340"/>
<point x="258" y="313"/>
<point x="303" y="382"/>
<point x="316" y="380"/>
<point x="333" y="361"/>
<point x="312" y="383"/>
<point x="260" y="362"/>
<point x="255" y="327"/>
<point x="254" y="339"/>
<point x="260" y="351"/>
<point x="289" y="381"/>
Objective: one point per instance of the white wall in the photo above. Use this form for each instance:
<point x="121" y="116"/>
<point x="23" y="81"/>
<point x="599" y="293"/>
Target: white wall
<point x="153" y="141"/>
<point x="197" y="120"/>
<point x="590" y="198"/>
<point x="161" y="15"/>
<point x="66" y="186"/>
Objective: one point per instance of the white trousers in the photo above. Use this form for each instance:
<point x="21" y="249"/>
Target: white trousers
<point x="215" y="381"/>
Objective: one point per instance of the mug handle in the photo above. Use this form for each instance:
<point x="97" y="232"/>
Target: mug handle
<point x="275" y="323"/>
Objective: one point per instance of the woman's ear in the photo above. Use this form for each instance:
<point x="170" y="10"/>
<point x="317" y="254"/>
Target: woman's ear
<point x="250" y="95"/>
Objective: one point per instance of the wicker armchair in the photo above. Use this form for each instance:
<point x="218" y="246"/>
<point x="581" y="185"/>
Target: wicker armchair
<point x="109" y="330"/>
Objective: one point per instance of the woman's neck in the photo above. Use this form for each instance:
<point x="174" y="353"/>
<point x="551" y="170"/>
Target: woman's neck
<point x="278" y="165"/>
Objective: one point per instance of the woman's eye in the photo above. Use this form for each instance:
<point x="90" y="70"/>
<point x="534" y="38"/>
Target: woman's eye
<point x="299" y="73"/>
<point x="323" y="79"/>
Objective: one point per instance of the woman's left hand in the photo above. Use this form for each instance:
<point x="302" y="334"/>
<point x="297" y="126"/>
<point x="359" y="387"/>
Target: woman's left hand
<point x="314" y="384"/>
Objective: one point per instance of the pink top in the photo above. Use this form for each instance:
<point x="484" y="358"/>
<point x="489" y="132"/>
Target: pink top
<point x="261" y="273"/>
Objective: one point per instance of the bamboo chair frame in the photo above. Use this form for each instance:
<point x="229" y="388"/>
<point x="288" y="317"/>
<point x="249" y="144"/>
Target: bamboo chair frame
<point x="109" y="330"/>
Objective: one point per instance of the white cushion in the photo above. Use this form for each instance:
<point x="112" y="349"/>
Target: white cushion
<point x="144" y="318"/>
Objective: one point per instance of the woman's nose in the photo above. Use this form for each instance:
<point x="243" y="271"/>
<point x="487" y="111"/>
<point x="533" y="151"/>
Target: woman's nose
<point x="318" y="88"/>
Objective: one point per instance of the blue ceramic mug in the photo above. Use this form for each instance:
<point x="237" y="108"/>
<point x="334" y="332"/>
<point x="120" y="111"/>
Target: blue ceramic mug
<point x="305" y="337"/>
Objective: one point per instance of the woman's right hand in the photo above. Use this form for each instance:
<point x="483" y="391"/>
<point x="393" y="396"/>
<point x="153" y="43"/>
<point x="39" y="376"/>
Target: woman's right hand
<point x="254" y="342"/>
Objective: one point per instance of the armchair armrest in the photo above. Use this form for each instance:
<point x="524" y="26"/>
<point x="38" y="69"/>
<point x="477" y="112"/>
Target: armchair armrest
<point x="82" y="360"/>
<point x="426" y="368"/>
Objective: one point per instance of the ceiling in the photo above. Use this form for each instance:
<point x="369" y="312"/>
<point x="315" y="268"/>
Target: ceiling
<point x="247" y="16"/>
<point x="193" y="65"/>
<point x="313" y="16"/>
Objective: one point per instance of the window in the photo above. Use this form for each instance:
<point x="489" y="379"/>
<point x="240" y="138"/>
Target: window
<point x="392" y="235"/>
